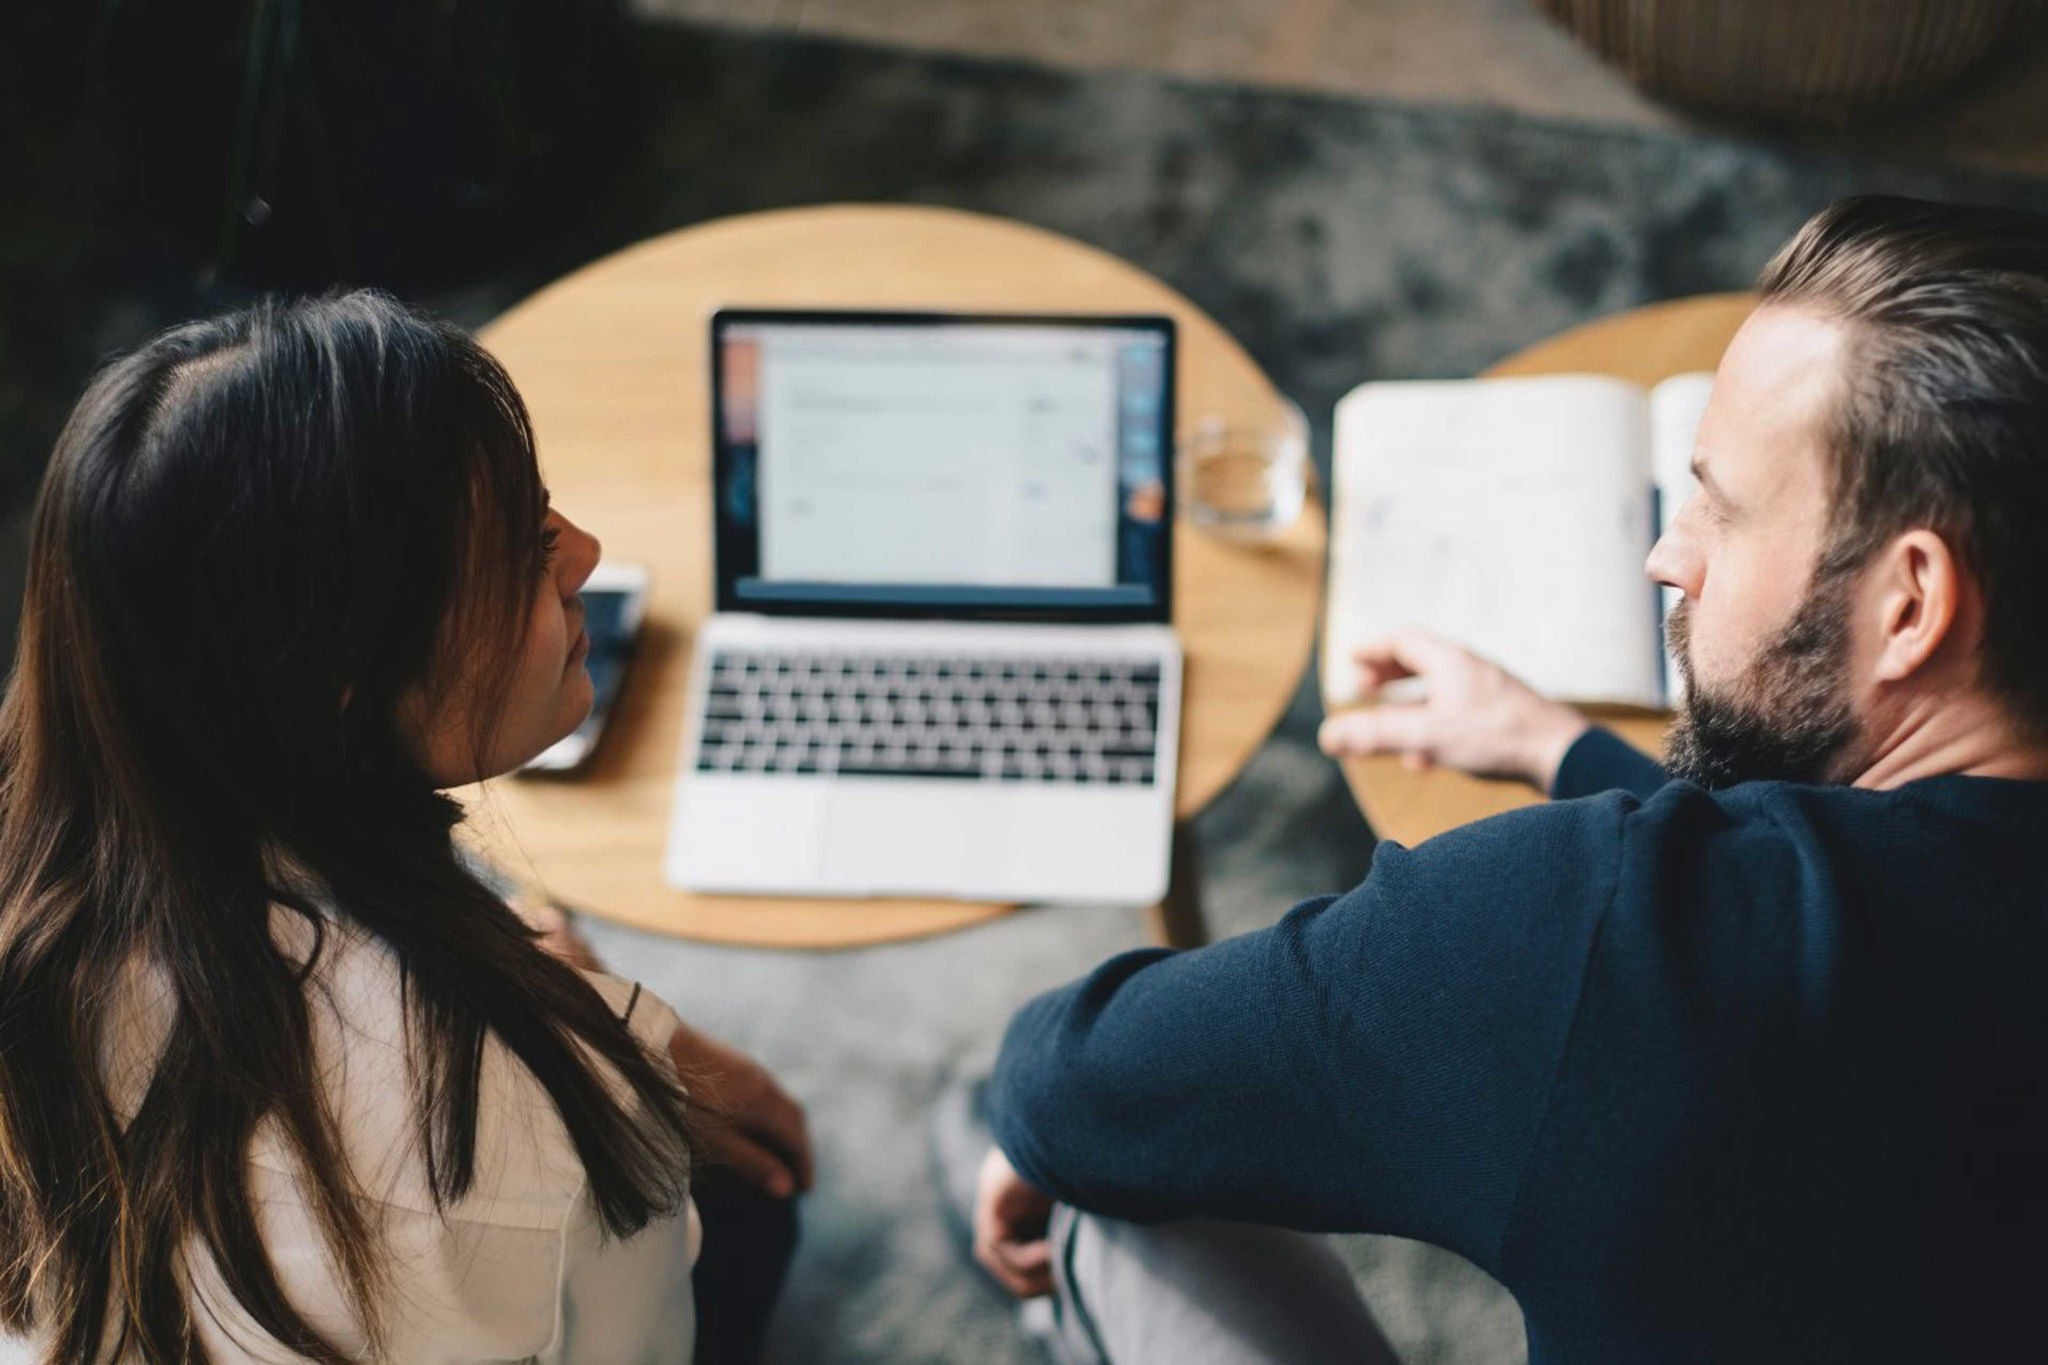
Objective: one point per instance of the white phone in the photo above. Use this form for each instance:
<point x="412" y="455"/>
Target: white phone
<point x="614" y="604"/>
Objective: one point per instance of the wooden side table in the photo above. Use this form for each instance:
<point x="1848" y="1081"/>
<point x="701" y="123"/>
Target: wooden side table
<point x="1644" y="346"/>
<point x="612" y="362"/>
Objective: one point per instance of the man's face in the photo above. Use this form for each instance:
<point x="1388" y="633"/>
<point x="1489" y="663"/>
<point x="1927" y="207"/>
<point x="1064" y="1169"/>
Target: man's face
<point x="1763" y="647"/>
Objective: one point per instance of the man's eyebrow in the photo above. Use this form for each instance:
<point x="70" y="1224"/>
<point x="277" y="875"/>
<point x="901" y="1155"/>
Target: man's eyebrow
<point x="1707" y="481"/>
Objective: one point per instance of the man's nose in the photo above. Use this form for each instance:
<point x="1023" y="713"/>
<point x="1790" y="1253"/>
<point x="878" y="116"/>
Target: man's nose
<point x="1671" y="563"/>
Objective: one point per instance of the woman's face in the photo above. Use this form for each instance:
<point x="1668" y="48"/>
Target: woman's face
<point x="550" y="691"/>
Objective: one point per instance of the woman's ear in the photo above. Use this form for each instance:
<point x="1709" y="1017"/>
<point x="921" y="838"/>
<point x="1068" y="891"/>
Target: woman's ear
<point x="1918" y="584"/>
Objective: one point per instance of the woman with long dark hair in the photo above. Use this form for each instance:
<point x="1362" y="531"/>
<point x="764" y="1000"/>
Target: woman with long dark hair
<point x="280" y="1076"/>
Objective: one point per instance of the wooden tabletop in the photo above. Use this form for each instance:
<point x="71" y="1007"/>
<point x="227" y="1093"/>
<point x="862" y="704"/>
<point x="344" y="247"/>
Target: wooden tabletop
<point x="1644" y="345"/>
<point x="612" y="362"/>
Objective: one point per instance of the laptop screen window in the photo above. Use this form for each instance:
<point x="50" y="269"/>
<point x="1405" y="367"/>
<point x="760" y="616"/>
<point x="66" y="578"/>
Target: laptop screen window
<point x="943" y="465"/>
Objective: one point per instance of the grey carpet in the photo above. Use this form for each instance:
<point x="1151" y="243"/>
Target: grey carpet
<point x="1339" y="241"/>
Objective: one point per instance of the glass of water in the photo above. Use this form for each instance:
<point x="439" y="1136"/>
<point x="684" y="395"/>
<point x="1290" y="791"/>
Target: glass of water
<point x="1245" y="480"/>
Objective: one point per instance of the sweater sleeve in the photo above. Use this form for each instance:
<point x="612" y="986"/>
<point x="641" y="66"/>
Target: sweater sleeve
<point x="1377" y="1061"/>
<point x="1601" y="760"/>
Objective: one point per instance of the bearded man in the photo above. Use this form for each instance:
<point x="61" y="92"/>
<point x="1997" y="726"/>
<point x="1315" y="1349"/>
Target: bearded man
<point x="1739" y="1058"/>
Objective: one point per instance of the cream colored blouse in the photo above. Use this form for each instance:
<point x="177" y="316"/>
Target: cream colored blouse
<point x="518" y="1270"/>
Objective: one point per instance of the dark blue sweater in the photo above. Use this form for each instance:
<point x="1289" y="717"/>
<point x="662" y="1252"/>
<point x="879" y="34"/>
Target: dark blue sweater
<point x="1751" y="1075"/>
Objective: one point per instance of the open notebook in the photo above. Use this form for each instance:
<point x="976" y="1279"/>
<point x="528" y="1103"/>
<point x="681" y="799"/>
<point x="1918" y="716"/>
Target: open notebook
<point x="1512" y="515"/>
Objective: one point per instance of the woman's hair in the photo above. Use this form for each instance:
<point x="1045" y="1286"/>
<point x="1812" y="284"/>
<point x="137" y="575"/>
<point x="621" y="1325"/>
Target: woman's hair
<point x="255" y="535"/>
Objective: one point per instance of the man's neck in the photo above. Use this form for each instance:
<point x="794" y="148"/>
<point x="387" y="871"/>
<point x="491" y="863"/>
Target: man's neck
<point x="1967" y="736"/>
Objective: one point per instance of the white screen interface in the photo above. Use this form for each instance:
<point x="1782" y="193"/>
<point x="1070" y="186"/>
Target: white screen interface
<point x="951" y="460"/>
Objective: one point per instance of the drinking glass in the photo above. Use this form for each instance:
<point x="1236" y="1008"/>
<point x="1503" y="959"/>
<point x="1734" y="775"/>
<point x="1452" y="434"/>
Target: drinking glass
<point x="1245" y="480"/>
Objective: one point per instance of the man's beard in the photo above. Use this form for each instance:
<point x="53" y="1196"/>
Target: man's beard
<point x="1788" y="718"/>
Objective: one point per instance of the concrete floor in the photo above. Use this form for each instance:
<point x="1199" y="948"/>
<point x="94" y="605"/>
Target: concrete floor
<point x="1502" y="53"/>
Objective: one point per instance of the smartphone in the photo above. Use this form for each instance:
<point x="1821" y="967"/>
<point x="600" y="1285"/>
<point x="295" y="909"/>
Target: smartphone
<point x="614" y="603"/>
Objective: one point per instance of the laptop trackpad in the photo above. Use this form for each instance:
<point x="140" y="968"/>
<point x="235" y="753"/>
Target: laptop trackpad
<point x="885" y="836"/>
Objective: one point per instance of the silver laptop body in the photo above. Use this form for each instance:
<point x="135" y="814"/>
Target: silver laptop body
<point x="941" y="663"/>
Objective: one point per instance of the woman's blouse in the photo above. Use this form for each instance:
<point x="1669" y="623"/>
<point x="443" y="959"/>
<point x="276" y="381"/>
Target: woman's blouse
<point x="518" y="1269"/>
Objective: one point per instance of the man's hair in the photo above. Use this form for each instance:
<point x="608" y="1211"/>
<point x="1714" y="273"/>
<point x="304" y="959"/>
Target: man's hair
<point x="1942" y="418"/>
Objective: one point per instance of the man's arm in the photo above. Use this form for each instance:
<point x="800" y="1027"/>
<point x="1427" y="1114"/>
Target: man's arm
<point x="1479" y="718"/>
<point x="1377" y="1061"/>
<point x="1600" y="760"/>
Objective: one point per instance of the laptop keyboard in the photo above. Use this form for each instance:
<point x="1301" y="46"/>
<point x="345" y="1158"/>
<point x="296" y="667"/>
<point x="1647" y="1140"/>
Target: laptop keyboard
<point x="1006" y="719"/>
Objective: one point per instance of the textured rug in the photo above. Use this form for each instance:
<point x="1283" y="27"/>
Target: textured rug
<point x="1339" y="241"/>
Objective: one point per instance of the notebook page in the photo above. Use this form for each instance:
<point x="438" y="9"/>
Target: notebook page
<point x="1675" y="409"/>
<point x="1508" y="514"/>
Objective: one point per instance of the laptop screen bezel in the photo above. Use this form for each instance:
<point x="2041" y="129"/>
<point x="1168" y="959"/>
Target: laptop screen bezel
<point x="735" y="546"/>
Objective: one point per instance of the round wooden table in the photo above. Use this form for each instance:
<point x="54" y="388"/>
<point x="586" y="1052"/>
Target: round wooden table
<point x="1644" y="345"/>
<point x="612" y="362"/>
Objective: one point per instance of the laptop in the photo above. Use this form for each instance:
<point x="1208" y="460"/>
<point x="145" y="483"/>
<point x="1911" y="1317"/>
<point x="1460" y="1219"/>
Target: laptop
<point x="941" y="662"/>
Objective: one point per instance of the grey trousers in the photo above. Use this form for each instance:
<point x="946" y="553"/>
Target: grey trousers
<point x="1199" y="1292"/>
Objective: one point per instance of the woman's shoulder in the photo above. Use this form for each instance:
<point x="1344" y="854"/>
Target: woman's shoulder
<point x="527" y="1172"/>
<point x="646" y="1015"/>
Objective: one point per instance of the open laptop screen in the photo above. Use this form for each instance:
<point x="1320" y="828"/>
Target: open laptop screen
<point x="942" y="465"/>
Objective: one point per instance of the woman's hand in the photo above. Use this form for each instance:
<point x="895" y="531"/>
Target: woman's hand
<point x="1477" y="717"/>
<point x="745" y="1119"/>
<point x="1010" y="1218"/>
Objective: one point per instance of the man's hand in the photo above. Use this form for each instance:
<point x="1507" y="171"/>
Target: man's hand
<point x="1010" y="1218"/>
<point x="1477" y="718"/>
<point x="746" y="1120"/>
